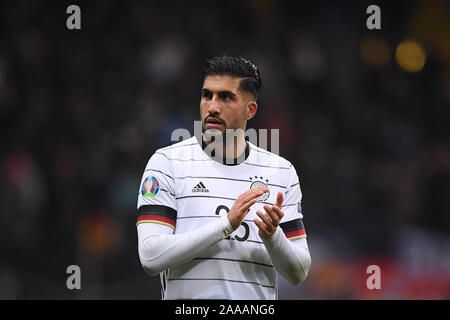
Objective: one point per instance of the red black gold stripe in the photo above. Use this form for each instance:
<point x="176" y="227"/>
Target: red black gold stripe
<point x="296" y="234"/>
<point x="157" y="214"/>
<point x="293" y="229"/>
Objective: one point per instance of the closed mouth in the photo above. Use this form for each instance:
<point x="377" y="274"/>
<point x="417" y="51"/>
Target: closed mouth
<point x="213" y="121"/>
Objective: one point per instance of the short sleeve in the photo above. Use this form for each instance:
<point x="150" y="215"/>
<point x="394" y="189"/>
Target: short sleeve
<point x="292" y="221"/>
<point x="156" y="198"/>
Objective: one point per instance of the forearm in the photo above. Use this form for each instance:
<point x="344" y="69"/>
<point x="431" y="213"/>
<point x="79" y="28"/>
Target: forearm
<point x="158" y="252"/>
<point x="291" y="260"/>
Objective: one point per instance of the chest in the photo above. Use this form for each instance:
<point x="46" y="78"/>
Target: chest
<point x="205" y="191"/>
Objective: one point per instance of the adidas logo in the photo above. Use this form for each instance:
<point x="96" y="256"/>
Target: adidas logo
<point x="200" y="187"/>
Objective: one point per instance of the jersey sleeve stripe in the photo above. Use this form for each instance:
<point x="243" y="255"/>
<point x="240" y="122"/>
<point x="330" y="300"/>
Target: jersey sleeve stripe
<point x="158" y="210"/>
<point x="156" y="219"/>
<point x="298" y="234"/>
<point x="293" y="229"/>
<point x="157" y="214"/>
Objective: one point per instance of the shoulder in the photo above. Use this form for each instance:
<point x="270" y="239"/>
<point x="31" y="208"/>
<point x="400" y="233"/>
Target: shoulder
<point x="180" y="149"/>
<point x="179" y="146"/>
<point x="179" y="154"/>
<point x="165" y="160"/>
<point x="266" y="157"/>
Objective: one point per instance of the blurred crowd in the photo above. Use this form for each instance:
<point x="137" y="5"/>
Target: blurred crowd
<point x="82" y="111"/>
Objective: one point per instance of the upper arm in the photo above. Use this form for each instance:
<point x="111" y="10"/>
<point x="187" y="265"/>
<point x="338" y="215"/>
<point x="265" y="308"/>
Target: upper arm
<point x="156" y="199"/>
<point x="292" y="221"/>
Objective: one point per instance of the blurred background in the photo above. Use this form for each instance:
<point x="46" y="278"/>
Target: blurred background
<point x="364" y="117"/>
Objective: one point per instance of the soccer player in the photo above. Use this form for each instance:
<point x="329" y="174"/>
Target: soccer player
<point x="222" y="224"/>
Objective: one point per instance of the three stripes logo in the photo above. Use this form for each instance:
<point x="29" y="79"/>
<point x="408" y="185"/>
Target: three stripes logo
<point x="200" y="187"/>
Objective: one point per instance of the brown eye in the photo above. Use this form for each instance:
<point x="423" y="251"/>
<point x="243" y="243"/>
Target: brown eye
<point x="225" y="97"/>
<point x="206" y="95"/>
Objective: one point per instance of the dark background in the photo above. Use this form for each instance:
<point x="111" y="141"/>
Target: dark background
<point x="81" y="112"/>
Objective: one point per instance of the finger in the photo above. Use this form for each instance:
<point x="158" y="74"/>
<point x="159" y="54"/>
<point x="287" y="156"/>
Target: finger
<point x="264" y="217"/>
<point x="244" y="204"/>
<point x="279" y="200"/>
<point x="267" y="221"/>
<point x="247" y="205"/>
<point x="273" y="216"/>
<point x="262" y="227"/>
<point x="253" y="193"/>
<point x="251" y="197"/>
<point x="278" y="212"/>
<point x="250" y="193"/>
<point x="265" y="189"/>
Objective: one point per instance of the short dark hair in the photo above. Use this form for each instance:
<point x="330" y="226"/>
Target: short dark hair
<point x="239" y="67"/>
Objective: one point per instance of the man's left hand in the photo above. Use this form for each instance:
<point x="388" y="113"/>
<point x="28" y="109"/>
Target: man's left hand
<point x="270" y="219"/>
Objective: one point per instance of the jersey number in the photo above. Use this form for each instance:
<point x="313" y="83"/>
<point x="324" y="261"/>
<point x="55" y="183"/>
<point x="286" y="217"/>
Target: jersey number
<point x="243" y="224"/>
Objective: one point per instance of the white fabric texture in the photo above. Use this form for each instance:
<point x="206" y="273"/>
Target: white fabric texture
<point x="159" y="249"/>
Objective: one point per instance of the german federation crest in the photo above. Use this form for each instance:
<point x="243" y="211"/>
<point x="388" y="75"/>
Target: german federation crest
<point x="150" y="187"/>
<point x="260" y="184"/>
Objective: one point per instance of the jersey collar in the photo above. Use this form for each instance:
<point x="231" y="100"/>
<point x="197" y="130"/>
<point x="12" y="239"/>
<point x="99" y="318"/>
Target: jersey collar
<point x="224" y="160"/>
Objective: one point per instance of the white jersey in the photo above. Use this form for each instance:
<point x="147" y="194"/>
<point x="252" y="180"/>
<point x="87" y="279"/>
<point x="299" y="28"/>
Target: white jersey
<point x="183" y="189"/>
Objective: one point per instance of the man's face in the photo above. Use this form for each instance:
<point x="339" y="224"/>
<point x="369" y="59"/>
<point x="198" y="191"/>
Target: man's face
<point x="223" y="105"/>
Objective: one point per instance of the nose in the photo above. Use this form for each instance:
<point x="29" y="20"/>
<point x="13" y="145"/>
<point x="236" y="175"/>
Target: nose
<point x="214" y="106"/>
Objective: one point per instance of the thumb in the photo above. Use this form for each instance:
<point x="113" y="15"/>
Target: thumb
<point x="279" y="200"/>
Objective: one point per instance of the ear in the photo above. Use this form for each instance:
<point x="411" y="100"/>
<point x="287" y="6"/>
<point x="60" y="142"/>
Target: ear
<point x="252" y="107"/>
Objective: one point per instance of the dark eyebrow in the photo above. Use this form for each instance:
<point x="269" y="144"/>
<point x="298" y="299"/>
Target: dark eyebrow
<point x="226" y="92"/>
<point x="221" y="93"/>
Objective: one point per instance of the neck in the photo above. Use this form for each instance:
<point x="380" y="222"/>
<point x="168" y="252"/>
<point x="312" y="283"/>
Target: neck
<point x="233" y="150"/>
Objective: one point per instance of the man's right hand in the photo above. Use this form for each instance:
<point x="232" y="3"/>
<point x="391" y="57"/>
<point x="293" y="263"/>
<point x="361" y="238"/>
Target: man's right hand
<point x="242" y="204"/>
